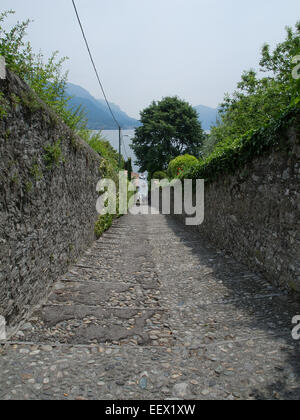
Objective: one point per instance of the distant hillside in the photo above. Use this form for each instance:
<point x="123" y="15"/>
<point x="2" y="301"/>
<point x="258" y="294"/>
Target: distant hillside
<point x="98" y="115"/>
<point x="207" y="116"/>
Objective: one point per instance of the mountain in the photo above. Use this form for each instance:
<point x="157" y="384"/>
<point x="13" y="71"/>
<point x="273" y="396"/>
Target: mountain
<point x="98" y="115"/>
<point x="207" y="116"/>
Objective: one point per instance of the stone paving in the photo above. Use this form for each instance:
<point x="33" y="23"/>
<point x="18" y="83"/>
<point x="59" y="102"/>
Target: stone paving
<point x="151" y="312"/>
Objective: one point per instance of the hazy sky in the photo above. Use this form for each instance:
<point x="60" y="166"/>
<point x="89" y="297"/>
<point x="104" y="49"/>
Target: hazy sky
<point x="147" y="49"/>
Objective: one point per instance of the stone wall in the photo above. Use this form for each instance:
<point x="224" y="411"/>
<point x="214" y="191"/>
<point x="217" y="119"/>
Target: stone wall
<point x="48" y="180"/>
<point x="255" y="213"/>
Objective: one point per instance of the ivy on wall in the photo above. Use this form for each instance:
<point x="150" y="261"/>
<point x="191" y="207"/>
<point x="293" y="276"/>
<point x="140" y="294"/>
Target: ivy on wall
<point x="227" y="158"/>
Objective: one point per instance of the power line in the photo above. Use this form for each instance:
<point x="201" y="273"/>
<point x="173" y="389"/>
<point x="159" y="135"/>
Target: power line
<point x="94" y="65"/>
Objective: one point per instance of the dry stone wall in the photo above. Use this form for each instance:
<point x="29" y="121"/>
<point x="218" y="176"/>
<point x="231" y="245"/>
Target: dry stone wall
<point x="254" y="214"/>
<point x="48" y="196"/>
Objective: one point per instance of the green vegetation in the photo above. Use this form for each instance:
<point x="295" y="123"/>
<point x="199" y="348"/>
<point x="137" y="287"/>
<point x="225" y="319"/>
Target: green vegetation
<point x="180" y="165"/>
<point x="170" y="128"/>
<point x="36" y="172"/>
<point x="45" y="77"/>
<point x="159" y="175"/>
<point x="251" y="119"/>
<point x="49" y="86"/>
<point x="103" y="224"/>
<point x="31" y="101"/>
<point x="104" y="149"/>
<point x="15" y="178"/>
<point x="226" y="158"/>
<point x="15" y="100"/>
<point x="3" y="106"/>
<point x="53" y="155"/>
<point x="7" y="135"/>
<point x="28" y="187"/>
<point x="259" y="100"/>
<point x="109" y="168"/>
<point x="128" y="168"/>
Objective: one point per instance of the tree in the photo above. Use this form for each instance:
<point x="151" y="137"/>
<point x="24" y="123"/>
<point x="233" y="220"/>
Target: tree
<point x="169" y="128"/>
<point x="257" y="100"/>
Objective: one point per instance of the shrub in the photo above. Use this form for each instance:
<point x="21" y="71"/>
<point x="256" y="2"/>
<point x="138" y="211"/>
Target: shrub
<point x="180" y="165"/>
<point x="53" y="155"/>
<point x="103" y="148"/>
<point x="103" y="224"/>
<point x="159" y="175"/>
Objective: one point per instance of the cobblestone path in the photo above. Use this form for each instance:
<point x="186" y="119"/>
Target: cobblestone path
<point x="150" y="312"/>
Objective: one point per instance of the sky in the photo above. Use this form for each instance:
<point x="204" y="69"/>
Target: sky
<point x="148" y="49"/>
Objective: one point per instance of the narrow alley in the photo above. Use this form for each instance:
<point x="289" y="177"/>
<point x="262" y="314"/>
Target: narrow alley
<point x="151" y="312"/>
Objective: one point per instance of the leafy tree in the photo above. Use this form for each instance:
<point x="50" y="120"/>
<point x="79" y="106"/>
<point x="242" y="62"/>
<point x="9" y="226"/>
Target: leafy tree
<point x="252" y="117"/>
<point x="280" y="61"/>
<point x="258" y="100"/>
<point x="209" y="144"/>
<point x="169" y="128"/>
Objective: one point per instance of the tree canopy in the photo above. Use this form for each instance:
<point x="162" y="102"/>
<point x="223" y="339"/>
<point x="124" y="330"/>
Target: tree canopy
<point x="169" y="128"/>
<point x="257" y="100"/>
<point x="251" y="118"/>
